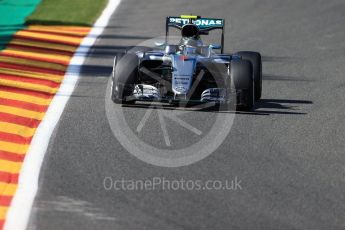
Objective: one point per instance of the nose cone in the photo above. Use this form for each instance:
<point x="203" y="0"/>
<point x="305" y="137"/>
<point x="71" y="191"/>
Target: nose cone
<point x="183" y="73"/>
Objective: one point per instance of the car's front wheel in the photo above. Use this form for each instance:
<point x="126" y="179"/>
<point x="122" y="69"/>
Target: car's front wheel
<point x="123" y="78"/>
<point x="255" y="59"/>
<point x="241" y="72"/>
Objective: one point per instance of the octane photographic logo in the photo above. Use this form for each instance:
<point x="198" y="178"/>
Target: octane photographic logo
<point x="168" y="135"/>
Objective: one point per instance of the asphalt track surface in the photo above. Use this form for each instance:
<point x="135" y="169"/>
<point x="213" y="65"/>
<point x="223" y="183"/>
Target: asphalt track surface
<point x="288" y="153"/>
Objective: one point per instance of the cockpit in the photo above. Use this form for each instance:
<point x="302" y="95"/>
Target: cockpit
<point x="190" y="42"/>
<point x="190" y="36"/>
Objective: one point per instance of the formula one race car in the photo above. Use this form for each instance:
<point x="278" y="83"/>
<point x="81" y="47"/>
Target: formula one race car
<point x="188" y="72"/>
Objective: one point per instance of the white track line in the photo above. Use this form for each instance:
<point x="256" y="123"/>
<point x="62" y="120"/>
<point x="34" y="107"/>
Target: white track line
<point x="19" y="212"/>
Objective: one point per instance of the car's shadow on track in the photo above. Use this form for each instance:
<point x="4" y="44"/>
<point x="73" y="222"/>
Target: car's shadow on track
<point x="280" y="106"/>
<point x="263" y="107"/>
<point x="271" y="77"/>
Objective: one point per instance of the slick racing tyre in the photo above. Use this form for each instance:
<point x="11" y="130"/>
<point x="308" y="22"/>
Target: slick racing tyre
<point x="255" y="59"/>
<point x="241" y="72"/>
<point x="124" y="76"/>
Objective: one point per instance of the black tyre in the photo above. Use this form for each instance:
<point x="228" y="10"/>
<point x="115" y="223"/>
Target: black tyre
<point x="241" y="72"/>
<point x="124" y="76"/>
<point x="255" y="59"/>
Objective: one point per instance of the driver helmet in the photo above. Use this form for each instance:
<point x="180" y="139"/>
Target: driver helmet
<point x="190" y="35"/>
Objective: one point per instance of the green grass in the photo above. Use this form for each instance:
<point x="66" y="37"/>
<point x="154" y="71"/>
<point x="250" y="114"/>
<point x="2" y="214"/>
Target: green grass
<point x="67" y="12"/>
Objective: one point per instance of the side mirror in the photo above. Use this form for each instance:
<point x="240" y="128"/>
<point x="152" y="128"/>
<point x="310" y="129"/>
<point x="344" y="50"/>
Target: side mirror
<point x="159" y="43"/>
<point x="215" y="46"/>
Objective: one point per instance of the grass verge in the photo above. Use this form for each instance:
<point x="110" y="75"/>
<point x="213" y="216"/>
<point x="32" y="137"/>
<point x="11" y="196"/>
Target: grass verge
<point x="67" y="12"/>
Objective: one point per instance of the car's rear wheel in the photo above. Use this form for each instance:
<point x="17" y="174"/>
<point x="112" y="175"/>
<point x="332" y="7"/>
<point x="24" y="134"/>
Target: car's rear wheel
<point x="241" y="72"/>
<point x="255" y="59"/>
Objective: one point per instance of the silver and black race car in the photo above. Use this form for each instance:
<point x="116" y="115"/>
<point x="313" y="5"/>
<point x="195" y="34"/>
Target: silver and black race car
<point x="188" y="72"/>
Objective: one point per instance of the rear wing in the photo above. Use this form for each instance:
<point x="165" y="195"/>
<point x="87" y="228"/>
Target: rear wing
<point x="205" y="25"/>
